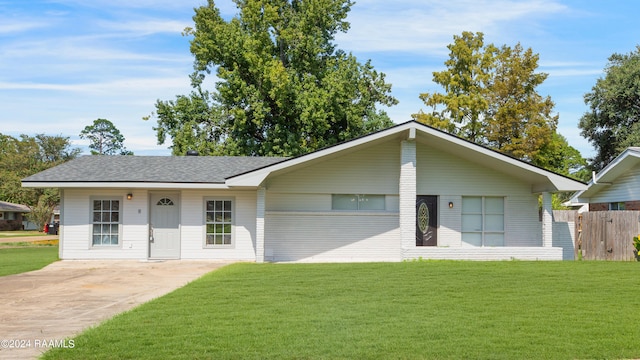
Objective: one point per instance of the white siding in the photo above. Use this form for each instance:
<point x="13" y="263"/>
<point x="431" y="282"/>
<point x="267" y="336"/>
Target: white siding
<point x="300" y="225"/>
<point x="450" y="177"/>
<point x="374" y="170"/>
<point x="331" y="236"/>
<point x="193" y="228"/>
<point x="625" y="188"/>
<point x="76" y="232"/>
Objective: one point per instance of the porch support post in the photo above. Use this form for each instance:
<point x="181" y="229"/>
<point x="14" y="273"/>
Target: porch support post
<point x="408" y="194"/>
<point x="547" y="220"/>
<point x="260" y="205"/>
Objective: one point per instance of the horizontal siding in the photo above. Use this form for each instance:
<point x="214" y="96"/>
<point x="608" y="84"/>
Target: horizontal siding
<point x="522" y="225"/>
<point x="625" y="188"/>
<point x="373" y="170"/>
<point x="331" y="236"/>
<point x="193" y="229"/>
<point x="76" y="230"/>
<point x="284" y="201"/>
<point x="440" y="173"/>
<point x="450" y="221"/>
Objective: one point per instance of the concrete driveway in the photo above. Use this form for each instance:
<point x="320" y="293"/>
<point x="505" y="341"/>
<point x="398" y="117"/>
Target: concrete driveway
<point x="41" y="308"/>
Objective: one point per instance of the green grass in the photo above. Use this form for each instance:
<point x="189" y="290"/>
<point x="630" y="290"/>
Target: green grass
<point x="411" y="310"/>
<point x="16" y="260"/>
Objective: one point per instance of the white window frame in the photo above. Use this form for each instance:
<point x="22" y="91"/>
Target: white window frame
<point x="358" y="199"/>
<point x="617" y="206"/>
<point x="206" y="223"/>
<point x="92" y="222"/>
<point x="483" y="231"/>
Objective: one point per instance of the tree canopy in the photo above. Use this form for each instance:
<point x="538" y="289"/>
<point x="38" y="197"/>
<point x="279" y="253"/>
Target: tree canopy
<point x="283" y="88"/>
<point x="613" y="121"/>
<point x="26" y="156"/>
<point x="104" y="138"/>
<point x="490" y="98"/>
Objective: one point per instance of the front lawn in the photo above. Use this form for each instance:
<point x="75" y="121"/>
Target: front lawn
<point x="16" y="258"/>
<point x="410" y="310"/>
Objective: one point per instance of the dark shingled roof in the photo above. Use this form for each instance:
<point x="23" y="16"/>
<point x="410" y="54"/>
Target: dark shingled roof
<point x="152" y="169"/>
<point x="11" y="207"/>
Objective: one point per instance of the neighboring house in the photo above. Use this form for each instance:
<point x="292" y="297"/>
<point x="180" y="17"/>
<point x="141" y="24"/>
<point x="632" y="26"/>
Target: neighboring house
<point x="406" y="192"/>
<point x="616" y="187"/>
<point x="11" y="215"/>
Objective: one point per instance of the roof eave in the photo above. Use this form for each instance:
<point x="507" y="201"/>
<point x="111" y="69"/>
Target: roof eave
<point x="122" y="185"/>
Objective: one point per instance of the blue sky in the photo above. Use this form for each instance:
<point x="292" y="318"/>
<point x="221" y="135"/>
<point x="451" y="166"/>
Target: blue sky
<point x="66" y="63"/>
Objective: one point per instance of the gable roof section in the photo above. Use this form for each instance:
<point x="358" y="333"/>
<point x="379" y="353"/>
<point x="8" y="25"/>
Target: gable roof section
<point x="627" y="160"/>
<point x="227" y="171"/>
<point x="11" y="207"/>
<point x="143" y="171"/>
<point x="540" y="179"/>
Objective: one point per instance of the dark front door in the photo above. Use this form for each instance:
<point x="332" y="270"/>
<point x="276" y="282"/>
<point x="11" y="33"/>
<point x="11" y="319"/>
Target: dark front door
<point x="426" y="220"/>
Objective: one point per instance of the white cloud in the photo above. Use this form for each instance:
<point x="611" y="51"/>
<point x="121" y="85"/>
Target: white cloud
<point x="145" y="27"/>
<point x="9" y="27"/>
<point x="427" y="27"/>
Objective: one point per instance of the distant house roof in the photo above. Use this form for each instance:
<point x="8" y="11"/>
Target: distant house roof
<point x="628" y="159"/>
<point x="150" y="169"/>
<point x="11" y="207"/>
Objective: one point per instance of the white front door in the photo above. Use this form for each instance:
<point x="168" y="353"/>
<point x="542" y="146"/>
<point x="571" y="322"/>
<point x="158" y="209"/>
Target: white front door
<point x="164" y="232"/>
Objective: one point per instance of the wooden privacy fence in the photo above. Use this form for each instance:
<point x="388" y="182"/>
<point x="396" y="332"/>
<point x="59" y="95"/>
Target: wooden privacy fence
<point x="604" y="235"/>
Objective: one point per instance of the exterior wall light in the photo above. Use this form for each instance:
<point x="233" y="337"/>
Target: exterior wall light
<point x="129" y="196"/>
<point x="450" y="204"/>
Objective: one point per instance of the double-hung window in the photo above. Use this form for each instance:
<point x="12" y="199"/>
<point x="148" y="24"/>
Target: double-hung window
<point x="218" y="222"/>
<point x="105" y="218"/>
<point x="482" y="221"/>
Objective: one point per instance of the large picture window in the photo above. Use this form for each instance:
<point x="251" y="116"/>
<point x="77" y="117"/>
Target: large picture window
<point x="105" y="218"/>
<point x="483" y="221"/>
<point x="362" y="202"/>
<point x="219" y="222"/>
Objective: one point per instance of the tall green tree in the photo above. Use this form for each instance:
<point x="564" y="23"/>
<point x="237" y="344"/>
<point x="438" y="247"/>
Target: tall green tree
<point x="461" y="108"/>
<point x="26" y="156"/>
<point x="519" y="121"/>
<point x="613" y="120"/>
<point x="283" y="87"/>
<point x="491" y="99"/>
<point x="104" y="138"/>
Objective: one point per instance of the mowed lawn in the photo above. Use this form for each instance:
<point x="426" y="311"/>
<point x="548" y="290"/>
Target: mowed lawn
<point x="17" y="258"/>
<point x="409" y="310"/>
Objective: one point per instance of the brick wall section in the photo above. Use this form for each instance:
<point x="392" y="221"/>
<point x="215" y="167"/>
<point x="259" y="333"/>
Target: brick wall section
<point x="628" y="205"/>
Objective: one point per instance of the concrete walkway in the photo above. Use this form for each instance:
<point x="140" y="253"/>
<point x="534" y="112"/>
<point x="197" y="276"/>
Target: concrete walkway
<point x="68" y="296"/>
